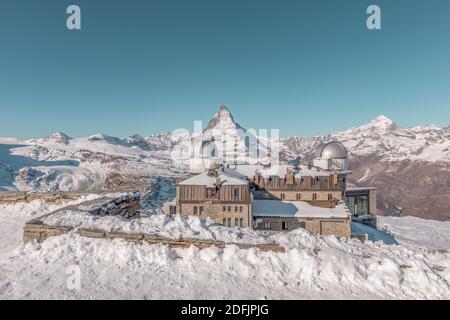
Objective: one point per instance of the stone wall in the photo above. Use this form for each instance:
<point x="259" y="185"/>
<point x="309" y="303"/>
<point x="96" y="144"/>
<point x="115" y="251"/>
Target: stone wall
<point x="40" y="232"/>
<point x="54" y="197"/>
<point x="339" y="227"/>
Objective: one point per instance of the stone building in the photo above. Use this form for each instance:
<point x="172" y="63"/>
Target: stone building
<point x="289" y="215"/>
<point x="278" y="197"/>
<point x="222" y="195"/>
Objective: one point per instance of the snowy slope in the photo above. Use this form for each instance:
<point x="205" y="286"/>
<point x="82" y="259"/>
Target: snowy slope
<point x="313" y="266"/>
<point x="98" y="162"/>
<point x="418" y="232"/>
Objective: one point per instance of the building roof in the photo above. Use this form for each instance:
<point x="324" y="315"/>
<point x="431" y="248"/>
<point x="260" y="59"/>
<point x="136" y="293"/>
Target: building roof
<point x="225" y="178"/>
<point x="360" y="188"/>
<point x="280" y="171"/>
<point x="299" y="209"/>
<point x="304" y="171"/>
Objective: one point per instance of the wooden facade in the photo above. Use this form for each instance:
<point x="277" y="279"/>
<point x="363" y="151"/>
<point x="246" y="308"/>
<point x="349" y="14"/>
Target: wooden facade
<point x="224" y="194"/>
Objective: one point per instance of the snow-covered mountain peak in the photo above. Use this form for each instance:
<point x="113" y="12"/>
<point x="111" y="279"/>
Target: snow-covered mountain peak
<point x="378" y="126"/>
<point x="100" y="137"/>
<point x="380" y="123"/>
<point x="60" y="137"/>
<point x="222" y="120"/>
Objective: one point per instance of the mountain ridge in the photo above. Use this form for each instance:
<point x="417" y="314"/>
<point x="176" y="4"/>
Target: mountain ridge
<point x="409" y="166"/>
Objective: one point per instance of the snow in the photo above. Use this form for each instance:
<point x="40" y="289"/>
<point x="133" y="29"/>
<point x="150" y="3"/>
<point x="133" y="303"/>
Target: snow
<point x="177" y="227"/>
<point x="417" y="232"/>
<point x="13" y="217"/>
<point x="304" y="171"/>
<point x="313" y="267"/>
<point x="224" y="177"/>
<point x="276" y="208"/>
<point x="62" y="163"/>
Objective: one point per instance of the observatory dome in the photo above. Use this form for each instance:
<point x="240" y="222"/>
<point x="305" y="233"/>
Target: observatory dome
<point x="332" y="150"/>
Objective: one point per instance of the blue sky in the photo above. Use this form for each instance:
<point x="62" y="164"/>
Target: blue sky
<point x="306" y="67"/>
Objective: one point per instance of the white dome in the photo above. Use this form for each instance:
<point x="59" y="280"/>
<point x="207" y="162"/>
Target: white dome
<point x="332" y="150"/>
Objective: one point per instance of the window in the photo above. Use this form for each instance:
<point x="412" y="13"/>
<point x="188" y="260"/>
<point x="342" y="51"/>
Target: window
<point x="314" y="196"/>
<point x="298" y="196"/>
<point x="236" y="208"/>
<point x="195" y="210"/>
<point x="315" y="181"/>
<point x="330" y="196"/>
<point x="224" y="208"/>
<point x="240" y="208"/>
<point x="266" y="224"/>
<point x="284" y="225"/>
<point x="241" y="222"/>
<point x="172" y="209"/>
<point x="229" y="208"/>
<point x="229" y="222"/>
<point x="224" y="221"/>
<point x="210" y="192"/>
<point x="236" y="194"/>
<point x="282" y="196"/>
<point x="236" y="222"/>
<point x="201" y="210"/>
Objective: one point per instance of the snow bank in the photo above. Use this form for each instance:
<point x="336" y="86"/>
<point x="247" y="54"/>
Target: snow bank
<point x="14" y="216"/>
<point x="159" y="224"/>
<point x="313" y="267"/>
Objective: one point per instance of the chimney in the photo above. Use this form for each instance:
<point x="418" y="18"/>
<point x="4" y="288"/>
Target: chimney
<point x="289" y="176"/>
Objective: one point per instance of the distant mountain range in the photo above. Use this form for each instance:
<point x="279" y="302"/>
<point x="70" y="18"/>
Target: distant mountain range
<point x="409" y="166"/>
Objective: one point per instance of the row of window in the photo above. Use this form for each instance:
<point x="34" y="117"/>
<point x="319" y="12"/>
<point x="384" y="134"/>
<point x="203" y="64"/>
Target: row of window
<point x="236" y="208"/>
<point x="299" y="197"/>
<point x="237" y="222"/>
<point x="198" y="210"/>
<point x="212" y="192"/>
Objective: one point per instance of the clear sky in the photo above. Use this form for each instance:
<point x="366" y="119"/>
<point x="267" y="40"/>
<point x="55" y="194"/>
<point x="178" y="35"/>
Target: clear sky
<point x="306" y="67"/>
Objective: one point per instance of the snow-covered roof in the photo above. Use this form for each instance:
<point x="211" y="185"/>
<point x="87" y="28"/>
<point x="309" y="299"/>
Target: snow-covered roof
<point x="304" y="171"/>
<point x="248" y="170"/>
<point x="300" y="209"/>
<point x="226" y="178"/>
<point x="299" y="171"/>
<point x="280" y="170"/>
<point x="359" y="188"/>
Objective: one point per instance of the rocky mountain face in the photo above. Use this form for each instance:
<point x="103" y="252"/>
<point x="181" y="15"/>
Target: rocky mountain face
<point x="409" y="166"/>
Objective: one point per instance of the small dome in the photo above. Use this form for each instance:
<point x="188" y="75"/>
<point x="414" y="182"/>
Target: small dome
<point x="332" y="150"/>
